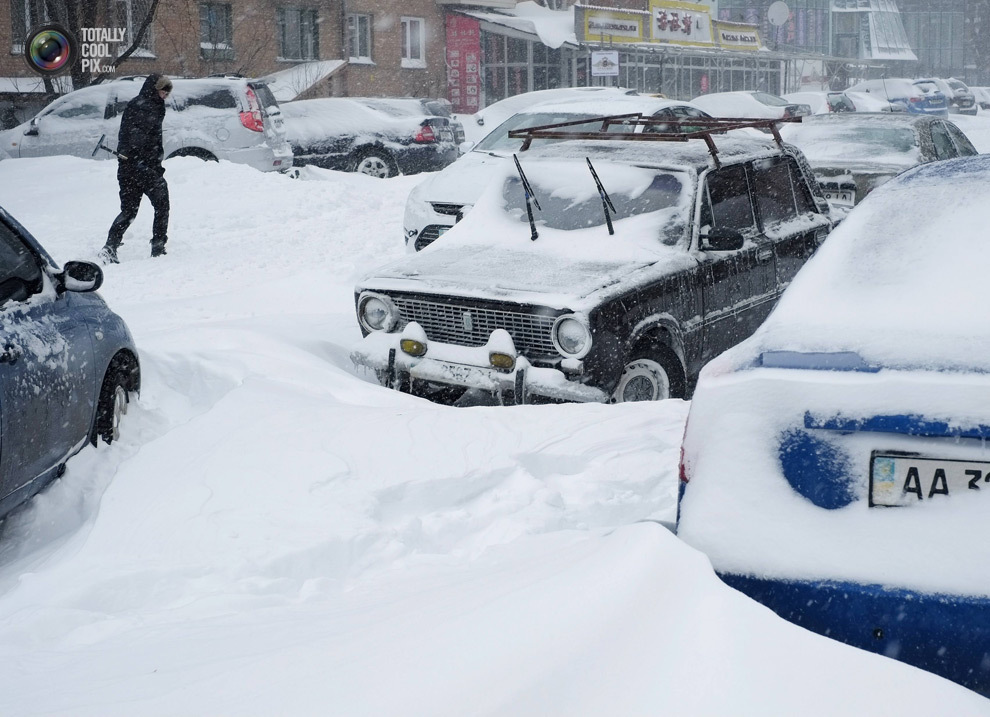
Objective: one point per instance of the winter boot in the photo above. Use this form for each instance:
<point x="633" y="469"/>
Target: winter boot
<point x="158" y="249"/>
<point x="108" y="255"/>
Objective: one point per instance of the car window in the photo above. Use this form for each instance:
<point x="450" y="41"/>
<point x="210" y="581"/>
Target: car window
<point x="214" y="98"/>
<point x="729" y="199"/>
<point x="20" y="275"/>
<point x="79" y="108"/>
<point x="777" y="190"/>
<point x="124" y="94"/>
<point x="944" y="149"/>
<point x="964" y="147"/>
<point x="771" y="100"/>
<point x="265" y="96"/>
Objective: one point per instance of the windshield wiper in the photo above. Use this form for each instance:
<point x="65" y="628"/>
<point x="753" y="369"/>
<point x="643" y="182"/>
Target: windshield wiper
<point x="530" y="199"/>
<point x="606" y="201"/>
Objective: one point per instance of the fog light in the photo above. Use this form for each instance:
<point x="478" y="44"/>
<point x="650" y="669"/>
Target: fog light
<point x="503" y="362"/>
<point x="413" y="347"/>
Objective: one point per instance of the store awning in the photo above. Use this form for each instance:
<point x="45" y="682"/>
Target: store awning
<point x="882" y="35"/>
<point x="552" y="27"/>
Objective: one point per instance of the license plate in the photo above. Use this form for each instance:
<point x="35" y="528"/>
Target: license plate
<point x="841" y="196"/>
<point x="898" y="480"/>
<point x="446" y="135"/>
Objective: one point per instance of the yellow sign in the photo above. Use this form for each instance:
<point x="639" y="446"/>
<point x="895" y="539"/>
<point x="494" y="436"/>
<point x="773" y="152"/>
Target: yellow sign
<point x="611" y="26"/>
<point x="737" y="36"/>
<point x="681" y="23"/>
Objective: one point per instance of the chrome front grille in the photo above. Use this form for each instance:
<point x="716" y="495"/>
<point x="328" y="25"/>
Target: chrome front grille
<point x="471" y="326"/>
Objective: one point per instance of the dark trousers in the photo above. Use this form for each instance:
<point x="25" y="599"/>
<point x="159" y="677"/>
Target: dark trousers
<point x="137" y="180"/>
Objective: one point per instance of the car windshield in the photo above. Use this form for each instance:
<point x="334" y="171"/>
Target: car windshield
<point x="771" y="100"/>
<point x="569" y="198"/>
<point x="845" y="142"/>
<point x="498" y="140"/>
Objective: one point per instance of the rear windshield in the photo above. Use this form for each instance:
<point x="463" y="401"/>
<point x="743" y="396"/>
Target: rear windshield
<point x="838" y="141"/>
<point x="927" y="87"/>
<point x="265" y="96"/>
<point x="771" y="100"/>
<point x="218" y="98"/>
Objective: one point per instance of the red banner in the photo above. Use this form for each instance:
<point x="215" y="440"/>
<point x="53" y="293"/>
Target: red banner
<point x="464" y="63"/>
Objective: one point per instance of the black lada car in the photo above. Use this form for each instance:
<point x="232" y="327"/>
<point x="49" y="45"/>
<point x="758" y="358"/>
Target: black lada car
<point x="597" y="270"/>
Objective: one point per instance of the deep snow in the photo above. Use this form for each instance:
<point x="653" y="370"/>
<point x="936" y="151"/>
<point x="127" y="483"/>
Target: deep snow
<point x="274" y="534"/>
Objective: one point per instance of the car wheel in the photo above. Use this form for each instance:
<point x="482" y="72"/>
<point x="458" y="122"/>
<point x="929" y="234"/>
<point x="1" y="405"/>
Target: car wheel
<point x="652" y="374"/>
<point x="374" y="163"/>
<point x="112" y="406"/>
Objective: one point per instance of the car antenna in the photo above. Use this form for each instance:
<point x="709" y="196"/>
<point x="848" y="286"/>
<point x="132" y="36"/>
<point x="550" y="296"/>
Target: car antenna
<point x="606" y="201"/>
<point x="530" y="199"/>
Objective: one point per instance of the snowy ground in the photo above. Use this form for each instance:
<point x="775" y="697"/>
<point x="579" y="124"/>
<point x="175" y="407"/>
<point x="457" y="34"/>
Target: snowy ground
<point x="274" y="534"/>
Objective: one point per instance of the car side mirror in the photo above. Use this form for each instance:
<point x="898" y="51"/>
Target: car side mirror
<point x="81" y="276"/>
<point x="466" y="146"/>
<point x="32" y="130"/>
<point x="724" y="239"/>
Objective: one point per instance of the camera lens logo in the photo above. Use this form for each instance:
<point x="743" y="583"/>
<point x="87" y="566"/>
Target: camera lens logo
<point x="50" y="49"/>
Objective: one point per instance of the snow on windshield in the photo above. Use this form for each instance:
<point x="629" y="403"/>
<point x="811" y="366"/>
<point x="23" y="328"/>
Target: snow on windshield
<point x="570" y="199"/>
<point x="829" y="142"/>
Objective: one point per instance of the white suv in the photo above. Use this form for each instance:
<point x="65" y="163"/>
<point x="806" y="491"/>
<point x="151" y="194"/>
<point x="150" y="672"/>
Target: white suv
<point x="211" y="118"/>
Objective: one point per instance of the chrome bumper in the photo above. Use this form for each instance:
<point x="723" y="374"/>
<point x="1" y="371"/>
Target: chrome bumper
<point x="468" y="366"/>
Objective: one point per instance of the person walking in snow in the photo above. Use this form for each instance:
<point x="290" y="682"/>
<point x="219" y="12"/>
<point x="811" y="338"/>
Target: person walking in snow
<point x="139" y="166"/>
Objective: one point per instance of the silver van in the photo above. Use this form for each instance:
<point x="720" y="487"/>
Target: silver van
<point x="212" y="118"/>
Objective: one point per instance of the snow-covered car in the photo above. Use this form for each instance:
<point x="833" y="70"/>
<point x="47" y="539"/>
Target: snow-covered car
<point x="377" y="137"/>
<point x="440" y="201"/>
<point x="960" y="97"/>
<point x="822" y="102"/>
<point x="982" y="96"/>
<point x="866" y="102"/>
<point x="758" y="105"/>
<point x="67" y="364"/>
<point x="914" y="96"/>
<point x="853" y="153"/>
<point x="212" y="118"/>
<point x="835" y="465"/>
<point x="605" y="270"/>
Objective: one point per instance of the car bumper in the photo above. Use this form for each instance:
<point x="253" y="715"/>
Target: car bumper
<point x="426" y="158"/>
<point x="263" y="158"/>
<point x="948" y="635"/>
<point x="469" y="367"/>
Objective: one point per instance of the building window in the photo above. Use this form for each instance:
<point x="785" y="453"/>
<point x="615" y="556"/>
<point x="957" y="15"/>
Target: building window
<point x="298" y="32"/>
<point x="130" y="15"/>
<point x="413" y="41"/>
<point x="359" y="37"/>
<point x="216" y="33"/>
<point x="24" y="14"/>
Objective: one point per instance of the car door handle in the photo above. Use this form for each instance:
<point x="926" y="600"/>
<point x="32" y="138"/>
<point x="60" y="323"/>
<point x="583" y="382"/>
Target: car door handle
<point x="764" y="255"/>
<point x="10" y="354"/>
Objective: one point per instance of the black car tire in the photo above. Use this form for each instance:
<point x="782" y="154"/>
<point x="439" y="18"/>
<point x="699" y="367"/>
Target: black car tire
<point x="652" y="373"/>
<point x="374" y="162"/>
<point x="112" y="405"/>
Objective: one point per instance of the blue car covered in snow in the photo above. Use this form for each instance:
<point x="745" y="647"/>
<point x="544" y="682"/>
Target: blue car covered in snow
<point x="836" y="465"/>
<point x="67" y="364"/>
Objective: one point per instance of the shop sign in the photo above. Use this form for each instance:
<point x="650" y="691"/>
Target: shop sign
<point x="681" y="23"/>
<point x="605" y="63"/>
<point x="611" y="26"/>
<point x="737" y="36"/>
<point x="464" y="63"/>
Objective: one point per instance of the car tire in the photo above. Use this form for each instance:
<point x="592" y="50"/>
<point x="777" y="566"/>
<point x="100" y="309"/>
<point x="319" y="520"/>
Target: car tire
<point x="374" y="163"/>
<point x="111" y="406"/>
<point x="652" y="373"/>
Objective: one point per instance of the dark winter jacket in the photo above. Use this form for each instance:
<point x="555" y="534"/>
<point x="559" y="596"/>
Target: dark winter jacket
<point x="140" y="138"/>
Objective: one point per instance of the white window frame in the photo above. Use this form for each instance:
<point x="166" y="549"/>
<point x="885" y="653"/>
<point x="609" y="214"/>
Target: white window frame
<point x="355" y="34"/>
<point x="146" y="48"/>
<point x="220" y="42"/>
<point x="410" y="27"/>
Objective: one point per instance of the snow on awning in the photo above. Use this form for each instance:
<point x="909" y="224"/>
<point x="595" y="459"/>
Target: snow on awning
<point x="882" y="32"/>
<point x="33" y="85"/>
<point x="288" y="84"/>
<point x="553" y="27"/>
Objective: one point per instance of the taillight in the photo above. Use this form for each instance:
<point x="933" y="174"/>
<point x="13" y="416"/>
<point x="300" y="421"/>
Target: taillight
<point x="252" y="119"/>
<point x="917" y="99"/>
<point x="425" y="135"/>
<point x="682" y="473"/>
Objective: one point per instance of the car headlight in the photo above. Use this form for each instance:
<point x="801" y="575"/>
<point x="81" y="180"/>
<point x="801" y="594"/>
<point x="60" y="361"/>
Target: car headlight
<point x="376" y="312"/>
<point x="571" y="336"/>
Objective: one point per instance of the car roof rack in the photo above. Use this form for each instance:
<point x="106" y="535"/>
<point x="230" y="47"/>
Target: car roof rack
<point x="673" y="130"/>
